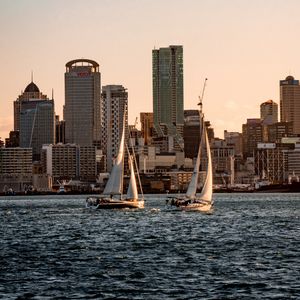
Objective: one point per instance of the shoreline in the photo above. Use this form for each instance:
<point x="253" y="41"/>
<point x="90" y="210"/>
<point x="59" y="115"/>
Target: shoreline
<point x="266" y="189"/>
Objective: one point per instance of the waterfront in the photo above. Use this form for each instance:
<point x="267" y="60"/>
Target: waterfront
<point x="54" y="248"/>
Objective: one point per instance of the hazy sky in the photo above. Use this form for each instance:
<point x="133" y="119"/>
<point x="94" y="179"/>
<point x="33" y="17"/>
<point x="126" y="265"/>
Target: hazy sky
<point x="243" y="47"/>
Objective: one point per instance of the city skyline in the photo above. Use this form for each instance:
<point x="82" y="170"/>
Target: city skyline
<point x="244" y="49"/>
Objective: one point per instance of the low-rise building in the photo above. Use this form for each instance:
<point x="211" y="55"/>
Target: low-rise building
<point x="70" y="161"/>
<point x="15" y="169"/>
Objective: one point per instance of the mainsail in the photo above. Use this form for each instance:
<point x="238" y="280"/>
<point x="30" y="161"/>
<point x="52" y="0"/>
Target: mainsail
<point x="206" y="193"/>
<point x="115" y="182"/>
<point x="192" y="188"/>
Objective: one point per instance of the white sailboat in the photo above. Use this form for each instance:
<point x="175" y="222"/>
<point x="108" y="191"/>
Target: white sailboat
<point x="112" y="196"/>
<point x="204" y="201"/>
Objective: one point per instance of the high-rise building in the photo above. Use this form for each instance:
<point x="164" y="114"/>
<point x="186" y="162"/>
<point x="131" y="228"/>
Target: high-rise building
<point x="276" y="131"/>
<point x="167" y="79"/>
<point x="114" y="106"/>
<point x="269" y="112"/>
<point x="290" y="102"/>
<point x="234" y="139"/>
<point x="252" y="135"/>
<point x="82" y="110"/>
<point x="34" y="118"/>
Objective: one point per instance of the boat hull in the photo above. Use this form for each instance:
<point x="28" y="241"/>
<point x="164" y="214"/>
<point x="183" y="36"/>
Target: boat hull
<point x="107" y="203"/>
<point x="187" y="204"/>
<point x="203" y="207"/>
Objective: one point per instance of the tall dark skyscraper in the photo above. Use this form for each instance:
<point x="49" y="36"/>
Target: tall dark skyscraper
<point x="34" y="117"/>
<point x="82" y="110"/>
<point x="167" y="78"/>
<point x="290" y="102"/>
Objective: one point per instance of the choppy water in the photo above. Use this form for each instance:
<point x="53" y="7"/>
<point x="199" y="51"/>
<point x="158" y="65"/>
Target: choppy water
<point x="54" y="248"/>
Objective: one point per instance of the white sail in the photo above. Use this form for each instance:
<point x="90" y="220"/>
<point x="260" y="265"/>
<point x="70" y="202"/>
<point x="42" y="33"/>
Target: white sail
<point x="132" y="192"/>
<point x="115" y="182"/>
<point x="192" y="188"/>
<point x="206" y="193"/>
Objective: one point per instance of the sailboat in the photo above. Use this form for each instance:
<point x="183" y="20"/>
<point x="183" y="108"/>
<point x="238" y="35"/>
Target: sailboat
<point x="112" y="196"/>
<point x="204" y="201"/>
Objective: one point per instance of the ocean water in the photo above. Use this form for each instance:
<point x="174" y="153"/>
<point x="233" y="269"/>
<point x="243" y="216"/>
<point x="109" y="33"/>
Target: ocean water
<point x="52" y="247"/>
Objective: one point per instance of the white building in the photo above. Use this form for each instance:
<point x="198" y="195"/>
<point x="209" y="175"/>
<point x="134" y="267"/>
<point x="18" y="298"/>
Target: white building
<point x="114" y="105"/>
<point x="70" y="161"/>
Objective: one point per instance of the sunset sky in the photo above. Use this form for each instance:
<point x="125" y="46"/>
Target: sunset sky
<point x="243" y="47"/>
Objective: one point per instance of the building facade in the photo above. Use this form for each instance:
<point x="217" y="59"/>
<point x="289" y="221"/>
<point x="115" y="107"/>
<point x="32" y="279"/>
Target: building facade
<point x="290" y="102"/>
<point x="15" y="169"/>
<point x="34" y="118"/>
<point x="271" y="161"/>
<point x="82" y="110"/>
<point x="191" y="133"/>
<point x="60" y="131"/>
<point x="147" y="126"/>
<point x="70" y="161"/>
<point x="167" y="79"/>
<point x="269" y="112"/>
<point x="114" y="106"/>
<point x="293" y="162"/>
<point x="13" y="140"/>
<point x="252" y="134"/>
<point x="234" y="139"/>
<point x="222" y="161"/>
<point x="277" y="131"/>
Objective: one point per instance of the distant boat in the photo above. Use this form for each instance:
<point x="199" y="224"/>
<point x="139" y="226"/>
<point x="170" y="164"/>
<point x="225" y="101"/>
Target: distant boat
<point x="112" y="196"/>
<point x="62" y="186"/>
<point x="10" y="192"/>
<point x="204" y="201"/>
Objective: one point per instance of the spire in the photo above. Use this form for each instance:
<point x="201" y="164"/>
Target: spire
<point x="31" y="76"/>
<point x="52" y="93"/>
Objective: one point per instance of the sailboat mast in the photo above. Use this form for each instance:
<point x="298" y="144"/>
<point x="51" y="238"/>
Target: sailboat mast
<point x="201" y="99"/>
<point x="201" y="114"/>
<point x="134" y="160"/>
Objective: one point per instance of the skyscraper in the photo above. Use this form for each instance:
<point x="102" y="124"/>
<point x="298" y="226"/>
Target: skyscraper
<point x="167" y="78"/>
<point x="114" y="106"/>
<point x="290" y="102"/>
<point x="269" y="112"/>
<point x="82" y="111"/>
<point x="252" y="134"/>
<point x="34" y="118"/>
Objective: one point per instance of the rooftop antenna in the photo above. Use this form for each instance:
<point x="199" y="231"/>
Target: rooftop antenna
<point x="52" y="93"/>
